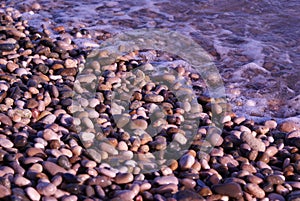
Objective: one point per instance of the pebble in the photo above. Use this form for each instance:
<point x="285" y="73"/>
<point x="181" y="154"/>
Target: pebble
<point x="254" y="143"/>
<point x="186" y="161"/>
<point x="255" y="190"/>
<point x="46" y="189"/>
<point x="153" y="98"/>
<point x="40" y="124"/>
<point x="126" y="195"/>
<point x="123" y="178"/>
<point x="32" y="194"/>
<point x="21" y="181"/>
<point x="275" y="197"/>
<point x="289" y="126"/>
<point x="53" y="168"/>
<point x="293" y="134"/>
<point x="49" y="119"/>
<point x="138" y="124"/>
<point x="5" y="143"/>
<point x="275" y="179"/>
<point x="231" y="189"/>
<point x="181" y="139"/>
<point x="271" y="124"/>
<point x="4" y="119"/>
<point x="166" y="180"/>
<point x="188" y="195"/>
<point x="4" y="191"/>
<point x="215" y="139"/>
<point x="87" y="78"/>
<point x="168" y="188"/>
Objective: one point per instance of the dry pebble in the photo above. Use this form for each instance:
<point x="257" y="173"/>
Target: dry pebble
<point x="32" y="194"/>
<point x="232" y="190"/>
<point x="4" y="191"/>
<point x="46" y="189"/>
<point x="255" y="190"/>
<point x="53" y="168"/>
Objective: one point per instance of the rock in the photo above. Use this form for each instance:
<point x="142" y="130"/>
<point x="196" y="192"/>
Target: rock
<point x="21" y="181"/>
<point x="294" y="196"/>
<point x="7" y="47"/>
<point x="70" y="63"/>
<point x="87" y="78"/>
<point x="32" y="194"/>
<point x="6" y="143"/>
<point x="181" y="139"/>
<point x="12" y="66"/>
<point x="4" y="192"/>
<point x="215" y="139"/>
<point x="254" y="143"/>
<point x="255" y="190"/>
<point x="168" y="188"/>
<point x="3" y="95"/>
<point x="230" y="189"/>
<point x="271" y="151"/>
<point x="20" y="141"/>
<point x="124" y="178"/>
<point x="271" y="124"/>
<point x="205" y="191"/>
<point x="64" y="162"/>
<point x="138" y="124"/>
<point x="275" y="197"/>
<point x="289" y="125"/>
<point x="49" y="134"/>
<point x="293" y="134"/>
<point x="188" y="195"/>
<point x="68" y="72"/>
<point x="5" y="120"/>
<point x="166" y="180"/>
<point x="49" y="119"/>
<point x="275" y="179"/>
<point x="186" y="161"/>
<point x="53" y="168"/>
<point x="46" y="189"/>
<point x="153" y="98"/>
<point x="124" y="195"/>
<point x="102" y="181"/>
<point x="122" y="120"/>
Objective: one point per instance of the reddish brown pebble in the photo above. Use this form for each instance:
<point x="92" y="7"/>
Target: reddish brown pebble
<point x="124" y="178"/>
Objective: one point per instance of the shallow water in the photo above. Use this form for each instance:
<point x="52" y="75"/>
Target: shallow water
<point x="255" y="44"/>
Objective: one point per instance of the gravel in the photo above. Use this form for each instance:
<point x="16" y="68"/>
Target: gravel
<point x="59" y="142"/>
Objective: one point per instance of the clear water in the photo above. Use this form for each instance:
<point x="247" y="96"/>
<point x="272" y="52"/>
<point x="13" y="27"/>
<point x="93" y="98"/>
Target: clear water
<point x="255" y="43"/>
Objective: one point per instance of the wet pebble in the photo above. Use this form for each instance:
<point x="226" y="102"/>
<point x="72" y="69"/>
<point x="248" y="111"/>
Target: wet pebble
<point x="253" y="142"/>
<point x="153" y="98"/>
<point x="186" y="161"/>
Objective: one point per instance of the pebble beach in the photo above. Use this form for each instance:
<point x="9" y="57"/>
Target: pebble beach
<point x="79" y="123"/>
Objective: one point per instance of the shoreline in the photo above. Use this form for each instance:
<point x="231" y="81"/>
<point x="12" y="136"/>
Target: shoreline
<point x="43" y="155"/>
